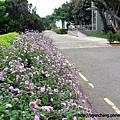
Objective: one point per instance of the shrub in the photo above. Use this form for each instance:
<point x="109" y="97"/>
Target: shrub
<point x="60" y="30"/>
<point x="36" y="82"/>
<point x="117" y="37"/>
<point x="113" y="37"/>
<point x="7" y="39"/>
<point x="110" y="37"/>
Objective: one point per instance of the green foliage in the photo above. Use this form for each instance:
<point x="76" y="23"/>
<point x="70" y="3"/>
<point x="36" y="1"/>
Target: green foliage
<point x="98" y="35"/>
<point x="4" y="20"/>
<point x="60" y="30"/>
<point x="19" y="15"/>
<point x="48" y="22"/>
<point x="110" y="37"/>
<point x="74" y="11"/>
<point x="113" y="37"/>
<point x="116" y="37"/>
<point x="7" y="39"/>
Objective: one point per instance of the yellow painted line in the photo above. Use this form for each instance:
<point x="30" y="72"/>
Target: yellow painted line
<point x="83" y="77"/>
<point x="68" y="62"/>
<point x="112" y="105"/>
<point x="90" y="84"/>
<point x="109" y="102"/>
<point x="117" y="111"/>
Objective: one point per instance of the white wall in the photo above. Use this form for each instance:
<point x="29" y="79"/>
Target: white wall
<point x="59" y="24"/>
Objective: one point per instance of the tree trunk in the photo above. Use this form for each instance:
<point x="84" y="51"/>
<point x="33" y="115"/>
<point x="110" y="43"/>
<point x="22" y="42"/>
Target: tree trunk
<point x="103" y="19"/>
<point x="109" y="10"/>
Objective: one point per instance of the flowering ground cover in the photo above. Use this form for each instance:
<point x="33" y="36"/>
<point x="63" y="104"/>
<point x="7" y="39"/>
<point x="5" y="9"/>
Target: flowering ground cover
<point x="36" y="82"/>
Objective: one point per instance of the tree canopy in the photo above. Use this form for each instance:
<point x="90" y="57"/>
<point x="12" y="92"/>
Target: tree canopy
<point x="74" y="11"/>
<point x="113" y="8"/>
<point x="19" y="16"/>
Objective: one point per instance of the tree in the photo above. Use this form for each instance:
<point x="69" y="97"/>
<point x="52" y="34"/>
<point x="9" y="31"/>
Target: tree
<point x="49" y="21"/>
<point x="23" y="16"/>
<point x="74" y="11"/>
<point x="4" y="28"/>
<point x="80" y="12"/>
<point x="113" y="8"/>
<point x="34" y="22"/>
<point x="101" y="9"/>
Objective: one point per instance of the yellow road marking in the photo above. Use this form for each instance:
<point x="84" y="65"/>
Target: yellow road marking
<point x="90" y="84"/>
<point x="109" y="102"/>
<point x="106" y="99"/>
<point x="83" y="77"/>
<point x="112" y="105"/>
<point x="68" y="62"/>
<point x="117" y="111"/>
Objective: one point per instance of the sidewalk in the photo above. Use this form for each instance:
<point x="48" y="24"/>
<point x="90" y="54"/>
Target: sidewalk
<point x="66" y="41"/>
<point x="85" y="37"/>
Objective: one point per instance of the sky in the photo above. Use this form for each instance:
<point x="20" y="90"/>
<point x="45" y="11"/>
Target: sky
<point x="45" y="7"/>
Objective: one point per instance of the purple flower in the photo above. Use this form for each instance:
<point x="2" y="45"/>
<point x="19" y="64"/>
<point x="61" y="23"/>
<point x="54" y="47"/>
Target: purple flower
<point x="5" y="69"/>
<point x="31" y="86"/>
<point x="13" y="71"/>
<point x="79" y="106"/>
<point x="74" y="104"/>
<point x="8" y="105"/>
<point x="70" y="94"/>
<point x="47" y="75"/>
<point x="17" y="77"/>
<point x="50" y="93"/>
<point x="38" y="101"/>
<point x="33" y="104"/>
<point x="15" y="99"/>
<point x="51" y="99"/>
<point x="32" y="93"/>
<point x="10" y="63"/>
<point x="83" y="101"/>
<point x="34" y="110"/>
<point x="11" y="88"/>
<point x="26" y="82"/>
<point x="64" y="118"/>
<point x="36" y="117"/>
<point x="6" y="57"/>
<point x="47" y="108"/>
<point x="64" y="104"/>
<point x="32" y="67"/>
<point x="1" y="97"/>
<point x="43" y="89"/>
<point x="75" y="118"/>
<point x="56" y="90"/>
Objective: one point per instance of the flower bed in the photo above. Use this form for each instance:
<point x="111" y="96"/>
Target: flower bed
<point x="37" y="84"/>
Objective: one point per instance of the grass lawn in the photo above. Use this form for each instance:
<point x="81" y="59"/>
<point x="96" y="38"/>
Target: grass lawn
<point x="7" y="39"/>
<point x="98" y="35"/>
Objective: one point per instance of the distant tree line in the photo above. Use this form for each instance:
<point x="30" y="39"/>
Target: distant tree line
<point x="79" y="12"/>
<point x="18" y="15"/>
<point x="74" y="12"/>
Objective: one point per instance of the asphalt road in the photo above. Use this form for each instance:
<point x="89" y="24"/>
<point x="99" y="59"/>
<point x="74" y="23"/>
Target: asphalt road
<point x="100" y="68"/>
